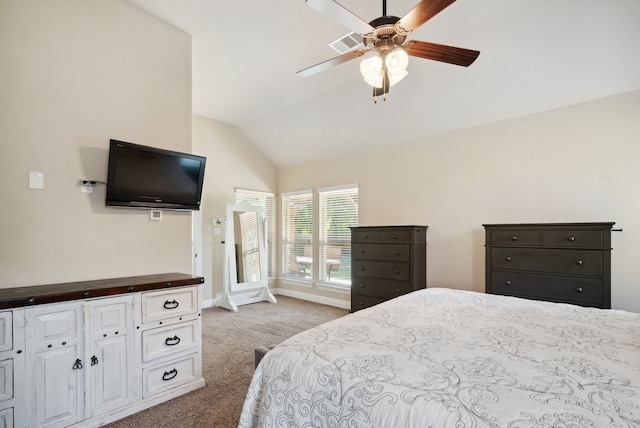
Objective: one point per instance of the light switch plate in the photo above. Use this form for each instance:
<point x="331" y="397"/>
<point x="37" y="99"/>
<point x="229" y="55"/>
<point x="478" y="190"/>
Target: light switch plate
<point x="36" y="180"/>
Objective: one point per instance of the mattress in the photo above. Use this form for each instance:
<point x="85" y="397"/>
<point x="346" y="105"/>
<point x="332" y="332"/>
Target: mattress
<point x="451" y="358"/>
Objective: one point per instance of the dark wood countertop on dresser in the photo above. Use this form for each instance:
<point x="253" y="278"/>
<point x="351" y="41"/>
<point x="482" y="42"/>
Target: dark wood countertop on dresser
<point x="52" y="293"/>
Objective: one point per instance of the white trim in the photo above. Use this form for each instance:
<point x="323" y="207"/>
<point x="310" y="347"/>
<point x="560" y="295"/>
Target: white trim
<point x="336" y="188"/>
<point x="255" y="192"/>
<point x="330" y="286"/>
<point x="298" y="192"/>
<point x="298" y="282"/>
<point x="323" y="300"/>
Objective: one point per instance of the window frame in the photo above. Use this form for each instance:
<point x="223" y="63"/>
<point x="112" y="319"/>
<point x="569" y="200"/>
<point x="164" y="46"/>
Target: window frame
<point x="295" y="251"/>
<point x="341" y="240"/>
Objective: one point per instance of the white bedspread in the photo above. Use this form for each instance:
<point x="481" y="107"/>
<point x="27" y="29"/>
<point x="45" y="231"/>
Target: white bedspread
<point x="447" y="358"/>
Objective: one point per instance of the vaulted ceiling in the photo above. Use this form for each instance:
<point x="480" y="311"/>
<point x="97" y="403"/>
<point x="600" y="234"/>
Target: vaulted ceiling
<point x="536" y="55"/>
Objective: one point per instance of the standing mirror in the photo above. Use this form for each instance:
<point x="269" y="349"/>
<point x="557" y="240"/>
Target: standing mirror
<point x="245" y="265"/>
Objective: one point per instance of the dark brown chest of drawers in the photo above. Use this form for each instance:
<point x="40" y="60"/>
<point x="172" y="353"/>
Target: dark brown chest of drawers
<point x="386" y="262"/>
<point x="557" y="262"/>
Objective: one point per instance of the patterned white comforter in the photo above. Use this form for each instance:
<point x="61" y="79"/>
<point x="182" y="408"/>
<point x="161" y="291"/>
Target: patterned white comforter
<point x="448" y="358"/>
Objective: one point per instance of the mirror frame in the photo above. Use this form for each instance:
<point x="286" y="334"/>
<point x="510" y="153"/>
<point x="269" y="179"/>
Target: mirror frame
<point x="230" y="248"/>
<point x="230" y="300"/>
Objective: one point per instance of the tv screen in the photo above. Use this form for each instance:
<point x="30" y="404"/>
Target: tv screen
<point x="148" y="177"/>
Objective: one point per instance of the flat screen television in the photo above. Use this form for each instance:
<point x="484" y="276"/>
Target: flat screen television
<point x="147" y="177"/>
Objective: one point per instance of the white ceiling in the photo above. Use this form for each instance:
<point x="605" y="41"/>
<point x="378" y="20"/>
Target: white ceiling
<point x="536" y="55"/>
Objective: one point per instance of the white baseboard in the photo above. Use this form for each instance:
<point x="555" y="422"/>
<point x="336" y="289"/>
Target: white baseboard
<point x="338" y="303"/>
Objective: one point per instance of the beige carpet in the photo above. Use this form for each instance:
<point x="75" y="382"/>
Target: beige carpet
<point x="228" y="342"/>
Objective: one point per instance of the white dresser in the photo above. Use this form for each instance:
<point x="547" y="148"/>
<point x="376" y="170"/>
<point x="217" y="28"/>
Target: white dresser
<point x="87" y="353"/>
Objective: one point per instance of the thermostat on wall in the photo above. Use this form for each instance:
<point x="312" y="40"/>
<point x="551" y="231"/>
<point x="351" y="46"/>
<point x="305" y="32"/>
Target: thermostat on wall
<point x="155" y="215"/>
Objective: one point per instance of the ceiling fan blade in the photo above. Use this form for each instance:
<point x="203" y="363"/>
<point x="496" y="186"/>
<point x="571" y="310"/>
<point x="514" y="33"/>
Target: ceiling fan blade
<point x="314" y="69"/>
<point x="341" y="15"/>
<point x="421" y="13"/>
<point x="442" y="53"/>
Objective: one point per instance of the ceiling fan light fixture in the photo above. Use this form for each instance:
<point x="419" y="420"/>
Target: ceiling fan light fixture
<point x="372" y="71"/>
<point x="396" y="63"/>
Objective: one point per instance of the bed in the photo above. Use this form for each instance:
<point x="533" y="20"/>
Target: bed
<point x="450" y="358"/>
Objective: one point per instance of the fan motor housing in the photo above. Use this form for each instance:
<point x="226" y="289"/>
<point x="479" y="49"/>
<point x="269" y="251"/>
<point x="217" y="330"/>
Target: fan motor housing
<point x="384" y="33"/>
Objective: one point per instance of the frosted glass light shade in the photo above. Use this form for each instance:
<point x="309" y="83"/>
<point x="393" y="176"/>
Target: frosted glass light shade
<point x="372" y="71"/>
<point x="396" y="63"/>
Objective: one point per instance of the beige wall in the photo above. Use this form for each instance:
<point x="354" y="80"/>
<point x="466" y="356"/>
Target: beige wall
<point x="232" y="162"/>
<point x="74" y="74"/>
<point x="569" y="165"/>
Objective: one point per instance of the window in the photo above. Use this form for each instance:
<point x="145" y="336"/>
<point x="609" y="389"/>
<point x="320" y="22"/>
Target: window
<point x="263" y="200"/>
<point x="297" y="235"/>
<point x="338" y="208"/>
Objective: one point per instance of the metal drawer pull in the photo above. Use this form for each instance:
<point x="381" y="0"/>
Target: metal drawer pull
<point x="578" y="262"/>
<point x="397" y="270"/>
<point x="362" y="285"/>
<point x="170" y="374"/>
<point x="172" y="341"/>
<point x="394" y="237"/>
<point x="579" y="289"/>
<point x="362" y="269"/>
<point x="397" y="253"/>
<point x="94" y="360"/>
<point x="366" y="236"/>
<point x="361" y="251"/>
<point x="507" y="282"/>
<point x="571" y="238"/>
<point x="508" y="258"/>
<point x="171" y="304"/>
<point x="514" y="238"/>
<point x="77" y="365"/>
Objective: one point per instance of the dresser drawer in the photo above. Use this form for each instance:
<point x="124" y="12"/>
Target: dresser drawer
<point x="390" y="252"/>
<point x="164" y="341"/>
<point x="6" y="329"/>
<point x="6" y="418"/>
<point x="160" y="378"/>
<point x="160" y="305"/>
<point x="383" y="270"/>
<point x="573" y="238"/>
<point x="361" y="302"/>
<point x="379" y="288"/>
<point x="389" y="235"/>
<point x="574" y="262"/>
<point x="6" y="379"/>
<point x="584" y="291"/>
<point x="514" y="237"/>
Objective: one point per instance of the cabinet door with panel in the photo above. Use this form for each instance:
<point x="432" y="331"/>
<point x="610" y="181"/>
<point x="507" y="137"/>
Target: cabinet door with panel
<point x="110" y="356"/>
<point x="55" y="375"/>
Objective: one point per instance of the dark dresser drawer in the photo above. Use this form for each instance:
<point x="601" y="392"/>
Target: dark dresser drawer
<point x="386" y="262"/>
<point x="573" y="238"/>
<point x="393" y="252"/>
<point x="515" y="237"/>
<point x="379" y="288"/>
<point x="361" y="302"/>
<point x="385" y="270"/>
<point x="576" y="262"/>
<point x="558" y="262"/>
<point x="548" y="287"/>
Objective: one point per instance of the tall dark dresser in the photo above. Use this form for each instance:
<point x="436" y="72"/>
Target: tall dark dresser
<point x="557" y="262"/>
<point x="386" y="262"/>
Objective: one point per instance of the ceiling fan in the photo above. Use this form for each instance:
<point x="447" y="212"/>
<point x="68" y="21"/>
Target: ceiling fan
<point x="385" y="43"/>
